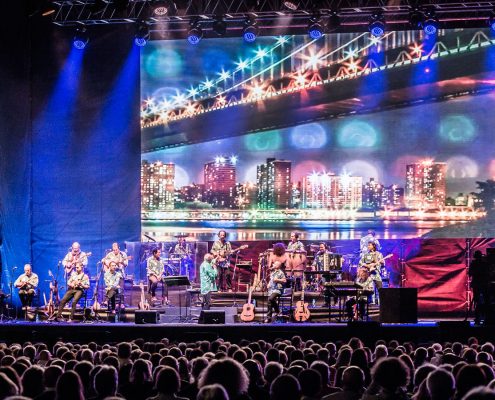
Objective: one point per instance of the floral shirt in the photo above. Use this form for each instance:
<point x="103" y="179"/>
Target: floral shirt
<point x="208" y="274"/>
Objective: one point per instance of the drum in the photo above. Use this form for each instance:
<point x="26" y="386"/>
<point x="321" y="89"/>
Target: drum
<point x="296" y="262"/>
<point x="332" y="262"/>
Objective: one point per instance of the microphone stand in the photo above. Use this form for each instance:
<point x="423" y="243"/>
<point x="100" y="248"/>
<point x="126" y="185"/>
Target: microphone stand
<point x="11" y="288"/>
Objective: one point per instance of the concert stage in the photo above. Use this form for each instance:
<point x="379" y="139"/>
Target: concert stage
<point x="369" y="332"/>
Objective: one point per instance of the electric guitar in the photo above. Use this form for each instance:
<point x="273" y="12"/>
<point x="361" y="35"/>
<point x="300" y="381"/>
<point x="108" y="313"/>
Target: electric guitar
<point x="373" y="268"/>
<point x="222" y="256"/>
<point x="69" y="268"/>
<point x="143" y="303"/>
<point x="301" y="313"/>
<point x="247" y="314"/>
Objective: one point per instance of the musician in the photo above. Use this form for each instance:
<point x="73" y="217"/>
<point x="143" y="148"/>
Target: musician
<point x="373" y="262"/>
<point x="479" y="272"/>
<point x="77" y="284"/>
<point x="295" y="244"/>
<point x="27" y="284"/>
<point x="221" y="250"/>
<point x="319" y="265"/>
<point x="275" y="289"/>
<point x="112" y="280"/>
<point x="74" y="256"/>
<point x="182" y="248"/>
<point x="370" y="237"/>
<point x="183" y="252"/>
<point x="208" y="275"/>
<point x="279" y="254"/>
<point x="365" y="281"/>
<point x="116" y="256"/>
<point x="155" y="267"/>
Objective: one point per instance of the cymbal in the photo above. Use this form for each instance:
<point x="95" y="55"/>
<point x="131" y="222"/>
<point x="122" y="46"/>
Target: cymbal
<point x="182" y="235"/>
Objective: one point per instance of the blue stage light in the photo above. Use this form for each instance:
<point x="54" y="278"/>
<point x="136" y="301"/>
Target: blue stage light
<point x="195" y="35"/>
<point x="315" y="31"/>
<point x="250" y="33"/>
<point x="430" y="26"/>
<point x="142" y="35"/>
<point x="491" y="22"/>
<point x="377" y="28"/>
<point x="80" y="39"/>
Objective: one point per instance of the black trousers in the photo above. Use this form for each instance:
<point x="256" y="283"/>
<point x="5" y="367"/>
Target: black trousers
<point x="111" y="294"/>
<point x="75" y="295"/>
<point x="225" y="278"/>
<point x="26" y="297"/>
<point x="273" y="304"/>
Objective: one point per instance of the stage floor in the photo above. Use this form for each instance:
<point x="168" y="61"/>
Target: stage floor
<point x="425" y="331"/>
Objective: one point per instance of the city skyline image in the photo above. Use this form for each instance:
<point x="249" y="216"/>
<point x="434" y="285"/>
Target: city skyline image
<point x="281" y="153"/>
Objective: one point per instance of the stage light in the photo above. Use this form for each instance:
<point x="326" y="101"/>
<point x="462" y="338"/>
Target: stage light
<point x="416" y="19"/>
<point x="142" y="35"/>
<point x="291" y="5"/>
<point x="160" y="8"/>
<point x="80" y="39"/>
<point x="430" y="24"/>
<point x="333" y="22"/>
<point x="219" y="26"/>
<point x="250" y="32"/>
<point x="195" y="34"/>
<point x="491" y="21"/>
<point x="377" y="25"/>
<point x="315" y="30"/>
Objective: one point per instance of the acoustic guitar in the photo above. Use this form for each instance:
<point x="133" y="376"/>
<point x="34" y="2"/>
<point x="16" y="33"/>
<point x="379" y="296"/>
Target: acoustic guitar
<point x="69" y="268"/>
<point x="143" y="303"/>
<point x="222" y="256"/>
<point x="247" y="314"/>
<point x="302" y="313"/>
<point x="374" y="267"/>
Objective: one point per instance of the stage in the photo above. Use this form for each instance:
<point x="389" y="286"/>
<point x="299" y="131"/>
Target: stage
<point x="426" y="331"/>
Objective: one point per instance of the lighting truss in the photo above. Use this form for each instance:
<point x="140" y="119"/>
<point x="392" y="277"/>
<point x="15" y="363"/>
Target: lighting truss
<point x="272" y="17"/>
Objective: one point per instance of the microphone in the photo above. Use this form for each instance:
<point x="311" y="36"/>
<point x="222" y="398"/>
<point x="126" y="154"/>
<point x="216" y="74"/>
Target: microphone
<point x="13" y="269"/>
<point x="149" y="237"/>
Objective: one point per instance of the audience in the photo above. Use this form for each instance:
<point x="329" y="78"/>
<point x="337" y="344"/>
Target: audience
<point x="220" y="370"/>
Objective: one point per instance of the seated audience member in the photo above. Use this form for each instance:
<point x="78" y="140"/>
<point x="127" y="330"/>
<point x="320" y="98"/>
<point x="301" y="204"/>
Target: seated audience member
<point x="352" y="385"/>
<point x="228" y="373"/>
<point x="212" y="392"/>
<point x="310" y="382"/>
<point x="69" y="386"/>
<point x="7" y="386"/>
<point x="389" y="380"/>
<point x="140" y="385"/>
<point x="50" y="378"/>
<point x="467" y="378"/>
<point x="480" y="393"/>
<point x="440" y="384"/>
<point x="167" y="385"/>
<point x="285" y="387"/>
<point x="105" y="383"/>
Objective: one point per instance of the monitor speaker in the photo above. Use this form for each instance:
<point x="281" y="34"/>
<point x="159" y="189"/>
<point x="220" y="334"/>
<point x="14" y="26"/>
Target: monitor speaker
<point x="399" y="305"/>
<point x="212" y="317"/>
<point x="146" y="317"/>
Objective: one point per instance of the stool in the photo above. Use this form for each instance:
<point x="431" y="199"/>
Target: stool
<point x="194" y="297"/>
<point x="285" y="304"/>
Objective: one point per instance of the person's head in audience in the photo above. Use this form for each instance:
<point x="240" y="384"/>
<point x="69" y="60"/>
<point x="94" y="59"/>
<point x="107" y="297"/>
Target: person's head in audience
<point x="285" y="387"/>
<point x="7" y="386"/>
<point x="480" y="393"/>
<point x="440" y="384"/>
<point x="228" y="373"/>
<point x="32" y="381"/>
<point x="167" y="382"/>
<point x="391" y="375"/>
<point x="106" y="381"/>
<point x="51" y="375"/>
<point x="254" y="370"/>
<point x="212" y="392"/>
<point x="140" y="372"/>
<point x="69" y="386"/>
<point x="467" y="378"/>
<point x="272" y="370"/>
<point x="310" y="382"/>
<point x="353" y="379"/>
<point x="324" y="370"/>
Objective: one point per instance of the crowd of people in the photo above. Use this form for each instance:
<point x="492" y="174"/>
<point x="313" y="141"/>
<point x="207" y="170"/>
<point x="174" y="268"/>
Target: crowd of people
<point x="259" y="370"/>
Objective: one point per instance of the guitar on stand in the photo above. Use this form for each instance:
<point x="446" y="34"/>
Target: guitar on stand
<point x="53" y="297"/>
<point x="143" y="303"/>
<point x="96" y="305"/>
<point x="302" y="313"/>
<point x="259" y="284"/>
<point x="247" y="314"/>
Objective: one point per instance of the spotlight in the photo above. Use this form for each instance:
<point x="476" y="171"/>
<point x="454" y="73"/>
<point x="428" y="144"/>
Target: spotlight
<point x="315" y="30"/>
<point x="80" y="39"/>
<point x="377" y="25"/>
<point x="430" y="24"/>
<point x="219" y="26"/>
<point x="142" y="35"/>
<point x="491" y="21"/>
<point x="160" y="8"/>
<point x="250" y="32"/>
<point x="416" y="19"/>
<point x="195" y="34"/>
<point x="333" y="22"/>
<point x="291" y="5"/>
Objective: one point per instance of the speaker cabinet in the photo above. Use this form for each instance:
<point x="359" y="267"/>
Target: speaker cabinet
<point x="146" y="317"/>
<point x="212" y="317"/>
<point x="399" y="305"/>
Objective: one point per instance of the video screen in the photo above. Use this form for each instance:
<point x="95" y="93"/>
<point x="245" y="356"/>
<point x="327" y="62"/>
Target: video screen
<point x="329" y="137"/>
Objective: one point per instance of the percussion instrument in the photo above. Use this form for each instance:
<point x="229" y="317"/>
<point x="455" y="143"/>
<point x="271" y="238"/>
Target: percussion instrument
<point x="296" y="262"/>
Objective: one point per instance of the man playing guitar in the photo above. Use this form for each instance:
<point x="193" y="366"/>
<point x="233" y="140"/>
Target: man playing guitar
<point x="78" y="282"/>
<point x="112" y="280"/>
<point x="222" y="249"/>
<point x="373" y="261"/>
<point x="155" y="267"/>
<point x="116" y="256"/>
<point x="27" y="284"/>
<point x="75" y="255"/>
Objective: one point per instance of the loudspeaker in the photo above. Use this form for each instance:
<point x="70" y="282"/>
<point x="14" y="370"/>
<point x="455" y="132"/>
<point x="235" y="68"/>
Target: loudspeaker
<point x="211" y="317"/>
<point x="146" y="317"/>
<point x="399" y="305"/>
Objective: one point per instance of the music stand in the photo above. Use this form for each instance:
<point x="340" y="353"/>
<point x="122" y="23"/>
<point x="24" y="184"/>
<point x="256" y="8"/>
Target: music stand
<point x="244" y="265"/>
<point x="180" y="281"/>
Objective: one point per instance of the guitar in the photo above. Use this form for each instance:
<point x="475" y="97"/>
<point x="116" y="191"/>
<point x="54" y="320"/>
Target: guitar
<point x="50" y="306"/>
<point x="374" y="267"/>
<point x="247" y="314"/>
<point x="257" y="283"/>
<point x="143" y="303"/>
<point x="120" y="265"/>
<point x="222" y="256"/>
<point x="301" y="313"/>
<point x="69" y="268"/>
